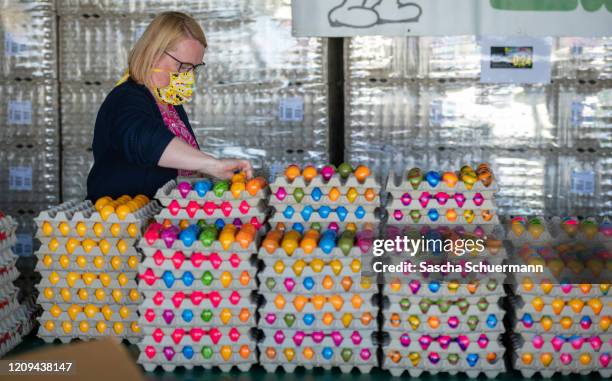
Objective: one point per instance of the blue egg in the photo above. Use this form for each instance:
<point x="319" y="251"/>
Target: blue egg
<point x="308" y="283"/>
<point x="298" y="227"/>
<point x="202" y="187"/>
<point x="308" y="319"/>
<point x="307" y="212"/>
<point x="288" y="213"/>
<point x="219" y="223"/>
<point x="491" y="321"/>
<point x="188" y="278"/>
<point x="472" y="359"/>
<point x="433" y="215"/>
<point x="433" y="178"/>
<point x="188" y="352"/>
<point x="342" y="213"/>
<point x="360" y="212"/>
<point x="327" y="353"/>
<point x="327" y="241"/>
<point x="527" y="319"/>
<point x="188" y="237"/>
<point x="434" y="286"/>
<point x="324" y="211"/>
<point x="168" y="278"/>
<point x="187" y="315"/>
<point x="316" y="194"/>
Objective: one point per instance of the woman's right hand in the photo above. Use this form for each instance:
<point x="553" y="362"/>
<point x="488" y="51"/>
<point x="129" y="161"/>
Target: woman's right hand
<point x="224" y="169"/>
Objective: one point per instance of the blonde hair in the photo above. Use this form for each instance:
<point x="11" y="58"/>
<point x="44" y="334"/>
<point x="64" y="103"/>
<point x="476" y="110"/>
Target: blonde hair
<point x="164" y="32"/>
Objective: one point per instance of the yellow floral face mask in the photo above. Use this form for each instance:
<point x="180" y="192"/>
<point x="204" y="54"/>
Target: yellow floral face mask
<point x="179" y="90"/>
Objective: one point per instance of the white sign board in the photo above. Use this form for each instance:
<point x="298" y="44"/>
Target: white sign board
<point x="520" y="60"/>
<point x="345" y="18"/>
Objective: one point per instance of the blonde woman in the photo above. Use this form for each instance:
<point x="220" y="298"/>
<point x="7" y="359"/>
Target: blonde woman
<point x="142" y="137"/>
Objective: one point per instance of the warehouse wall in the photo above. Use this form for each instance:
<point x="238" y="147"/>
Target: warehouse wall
<point x="418" y="101"/>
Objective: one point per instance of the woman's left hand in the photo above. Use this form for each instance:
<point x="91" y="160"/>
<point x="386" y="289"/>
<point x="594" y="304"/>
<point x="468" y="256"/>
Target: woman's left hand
<point x="225" y="168"/>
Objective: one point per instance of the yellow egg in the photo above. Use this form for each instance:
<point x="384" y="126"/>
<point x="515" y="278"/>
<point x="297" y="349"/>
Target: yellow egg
<point x="81" y="261"/>
<point x="123" y="279"/>
<point x="67" y="326"/>
<point x="124" y="312"/>
<point x="226" y="352"/>
<point x="107" y="211"/>
<point x="98" y="261"/>
<point x="89" y="278"/>
<point x="55" y="311"/>
<point x="123" y="211"/>
<point x="115" y="230"/>
<point x="100" y="294"/>
<point x="81" y="229"/>
<point x="133" y="262"/>
<point x="64" y="261"/>
<point x="84" y="326"/>
<point x="65" y="294"/>
<point x="89" y="244"/>
<point x="47" y="228"/>
<point x="117" y="295"/>
<point x="122" y="246"/>
<point x="47" y="261"/>
<point x="585" y="359"/>
<point x="91" y="310"/>
<point x="115" y="262"/>
<point x="118" y="328"/>
<point x="53" y="245"/>
<point x="101" y="326"/>
<point x="133" y="230"/>
<point x="105" y="279"/>
<point x="134" y="295"/>
<point x="83" y="294"/>
<point x="72" y="244"/>
<point x="71" y="278"/>
<point x="98" y="229"/>
<point x="73" y="311"/>
<point x="64" y="228"/>
<point x="54" y="277"/>
<point x="101" y="202"/>
<point x="50" y="326"/>
<point x="135" y="327"/>
<point x="104" y="246"/>
<point x="48" y="293"/>
<point x="107" y="312"/>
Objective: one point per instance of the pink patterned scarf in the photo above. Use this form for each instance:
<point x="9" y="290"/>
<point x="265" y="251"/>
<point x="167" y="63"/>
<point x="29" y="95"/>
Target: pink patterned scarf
<point x="173" y="122"/>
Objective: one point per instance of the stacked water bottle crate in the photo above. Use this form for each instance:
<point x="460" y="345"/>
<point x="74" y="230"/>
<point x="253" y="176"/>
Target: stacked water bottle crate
<point x="318" y="310"/>
<point x="29" y="107"/>
<point x="562" y="315"/>
<point x="88" y="265"/>
<point x="16" y="318"/>
<point x="198" y="275"/>
<point x="446" y="320"/>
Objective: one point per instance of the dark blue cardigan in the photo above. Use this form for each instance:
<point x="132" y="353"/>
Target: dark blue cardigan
<point x="129" y="138"/>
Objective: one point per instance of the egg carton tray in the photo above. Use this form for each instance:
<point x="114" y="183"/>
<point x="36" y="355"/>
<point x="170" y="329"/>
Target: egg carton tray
<point x="487" y="226"/>
<point x="169" y="192"/>
<point x="168" y="336"/>
<point x="553" y="233"/>
<point x="15" y="328"/>
<point x="336" y="252"/>
<point x="10" y="275"/>
<point x="346" y="267"/>
<point x="593" y="327"/>
<point x="557" y="290"/>
<point x="398" y="182"/>
<point x="259" y="211"/>
<point x="199" y="299"/>
<point x="463" y="290"/>
<point x="198" y="317"/>
<point x="291" y="210"/>
<point x="341" y="321"/>
<point x="523" y="304"/>
<point x="96" y="230"/>
<point x="451" y="204"/>
<point x="79" y="250"/>
<point x="170" y="363"/>
<point x="79" y="283"/>
<point x="414" y="309"/>
<point x="198" y="246"/>
<point x="472" y="343"/>
<point x="11" y="304"/>
<point x="239" y="262"/>
<point x="334" y="181"/>
<point x="108" y="298"/>
<point x="524" y="342"/>
<point x="557" y="367"/>
<point x="177" y="281"/>
<point x="117" y="263"/>
<point x="92" y="334"/>
<point x="327" y="338"/>
<point x="489" y="323"/>
<point x="324" y="199"/>
<point x="347" y="307"/>
<point x="8" y="242"/>
<point x="289" y="285"/>
<point x="77" y="211"/>
<point x="490" y="371"/>
<point x="132" y="313"/>
<point x="318" y="360"/>
<point x="371" y="220"/>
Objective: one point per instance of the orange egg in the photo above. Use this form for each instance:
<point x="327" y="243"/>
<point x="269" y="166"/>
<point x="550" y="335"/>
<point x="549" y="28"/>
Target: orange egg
<point x="101" y="203"/>
<point x="450" y="179"/>
<point x="107" y="211"/>
<point x="123" y="211"/>
<point x="309" y="173"/>
<point x="253" y="186"/>
<point x="362" y="173"/>
<point x="292" y="172"/>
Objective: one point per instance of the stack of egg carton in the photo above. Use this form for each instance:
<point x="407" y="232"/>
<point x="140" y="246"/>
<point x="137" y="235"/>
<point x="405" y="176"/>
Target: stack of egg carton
<point x="444" y="322"/>
<point x="88" y="263"/>
<point x="562" y="316"/>
<point x="198" y="275"/>
<point x="15" y="318"/>
<point x="319" y="311"/>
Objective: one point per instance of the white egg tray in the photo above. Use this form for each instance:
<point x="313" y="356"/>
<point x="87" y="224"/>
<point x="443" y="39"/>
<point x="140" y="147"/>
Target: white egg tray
<point x="423" y="327"/>
<point x="335" y="181"/>
<point x="91" y="297"/>
<point x="170" y="191"/>
<point x="166" y="339"/>
<point x="444" y="366"/>
<point x="154" y="317"/>
<point x="293" y="285"/>
<point x="107" y="265"/>
<point x="493" y="344"/>
<point x="356" y="322"/>
<point x="179" y="360"/>
<point x="197" y="284"/>
<point x="79" y="250"/>
<point x="398" y="182"/>
<point x="225" y="298"/>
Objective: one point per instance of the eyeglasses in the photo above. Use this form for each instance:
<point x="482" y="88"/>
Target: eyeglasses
<point x="185" y="67"/>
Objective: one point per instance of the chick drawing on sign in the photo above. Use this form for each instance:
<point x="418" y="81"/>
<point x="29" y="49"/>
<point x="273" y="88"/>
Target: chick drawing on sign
<point x="369" y="13"/>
